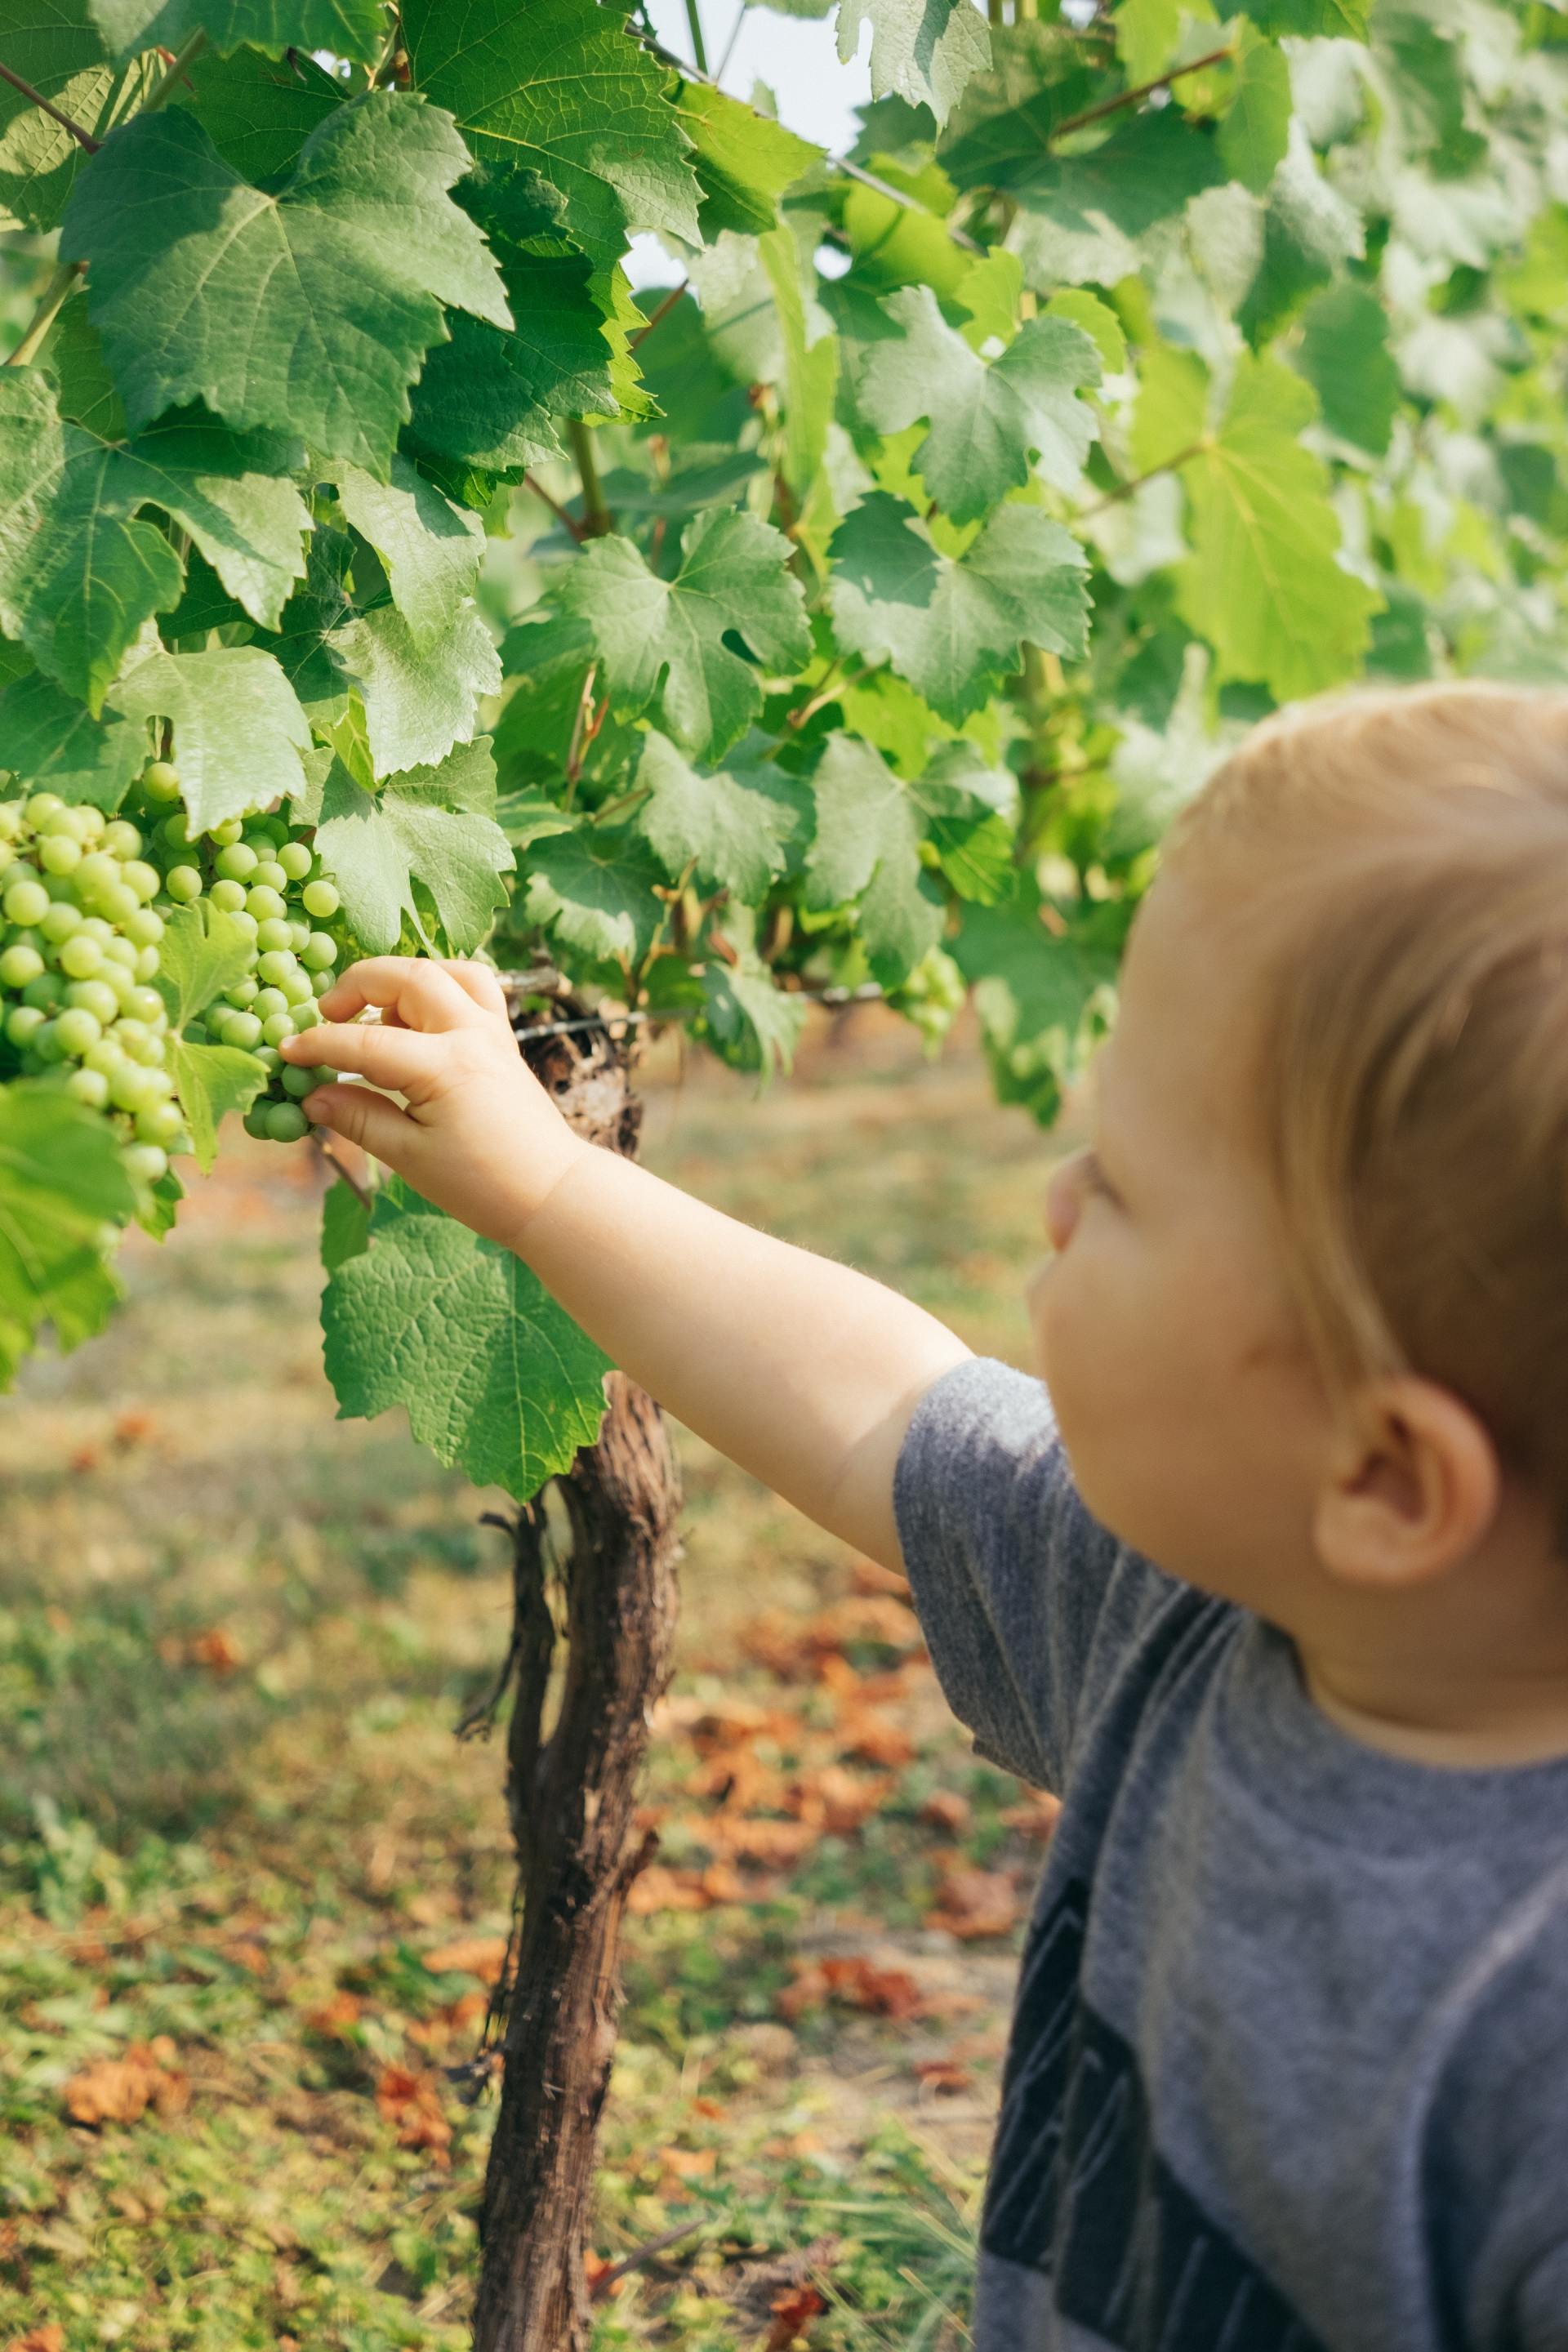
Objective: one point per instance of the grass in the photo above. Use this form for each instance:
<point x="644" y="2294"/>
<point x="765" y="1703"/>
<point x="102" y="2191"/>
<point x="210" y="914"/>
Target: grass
<point x="235" y="1824"/>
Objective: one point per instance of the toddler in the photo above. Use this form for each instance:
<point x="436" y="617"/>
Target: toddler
<point x="1268" y="1575"/>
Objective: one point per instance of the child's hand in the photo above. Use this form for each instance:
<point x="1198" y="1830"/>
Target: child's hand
<point x="479" y="1137"/>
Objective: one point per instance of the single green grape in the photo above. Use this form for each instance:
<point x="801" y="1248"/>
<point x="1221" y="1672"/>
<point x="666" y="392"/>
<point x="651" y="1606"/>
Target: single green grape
<point x="61" y="920"/>
<point x="297" y="987"/>
<point x="300" y="1082"/>
<point x="81" y="956"/>
<point x="228" y="898"/>
<point x="319" y="898"/>
<point x="23" y="1024"/>
<point x="274" y="939"/>
<point x="143" y="878"/>
<point x="223" y="835"/>
<point x="296" y="860"/>
<point x="97" y="871"/>
<point x="276" y="1026"/>
<point x="267" y="1002"/>
<point x="243" y="993"/>
<point x="246" y="923"/>
<point x="269" y="875"/>
<point x="242" y="1029"/>
<point x="143" y="927"/>
<point x="268" y="905"/>
<point x="287" y="1123"/>
<point x="237" y="863"/>
<point x="276" y="969"/>
<point x="10" y="819"/>
<point x="135" y="1040"/>
<point x="59" y="853"/>
<point x="89" y="1087"/>
<point x="94" y="996"/>
<point x="271" y="1059"/>
<point x="161" y="781"/>
<point x="145" y="962"/>
<point x="183" y="883"/>
<point x="321" y="953"/>
<point x="299" y="937"/>
<point x="77" y="1032"/>
<point x="146" y="1162"/>
<point x="42" y="806"/>
<point x="255" y="1121"/>
<point x="44" y="1044"/>
<point x="308" y="1014"/>
<point x="118" y="902"/>
<point x="175" y="832"/>
<point x="25" y="902"/>
<point x="161" y="1124"/>
<point x="145" y="1004"/>
<point x="105" y="1057"/>
<point x="45" y="991"/>
<point x="122" y="839"/>
<point x="19" y="965"/>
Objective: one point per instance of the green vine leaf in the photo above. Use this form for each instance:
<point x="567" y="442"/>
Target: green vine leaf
<point x="430" y="548"/>
<point x="56" y="745"/>
<point x="953" y="625"/>
<point x="592" y="888"/>
<point x="58" y="50"/>
<point x="985" y="419"/>
<point x="1256" y="131"/>
<point x="867" y="849"/>
<point x="921" y="50"/>
<point x="1345" y="358"/>
<point x="743" y="162"/>
<point x="733" y="829"/>
<point x="661" y="642"/>
<point x="497" y="1380"/>
<point x="60" y="1184"/>
<point x="421" y="696"/>
<point x="435" y="827"/>
<point x="560" y="88"/>
<point x="308" y="312"/>
<point x="347" y="28"/>
<point x="238" y="729"/>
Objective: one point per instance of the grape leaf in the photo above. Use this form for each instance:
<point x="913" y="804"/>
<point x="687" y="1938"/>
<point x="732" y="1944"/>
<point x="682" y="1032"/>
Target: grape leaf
<point x="60" y="1182"/>
<point x="743" y="162"/>
<point x="310" y="311"/>
<point x="561" y="87"/>
<point x="202" y="951"/>
<point x="419" y="697"/>
<point x="57" y="49"/>
<point x="345" y="1225"/>
<point x="79" y="575"/>
<point x="1341" y="19"/>
<point x="952" y="627"/>
<point x="497" y="1378"/>
<point x="210" y="1081"/>
<point x="238" y="729"/>
<point x="1256" y="131"/>
<point x="1262" y="584"/>
<point x="1002" y="128"/>
<point x="1345" y="356"/>
<point x="435" y="826"/>
<point x="73" y="355"/>
<point x="1043" y="995"/>
<point x="258" y="112"/>
<point x="810" y="369"/>
<point x="921" y="50"/>
<point x="1082" y="214"/>
<point x="662" y="641"/>
<point x="749" y="1021"/>
<point x="867" y="849"/>
<point x="347" y="28"/>
<point x="971" y="815"/>
<point x="733" y="829"/>
<point x="56" y="745"/>
<point x="431" y="550"/>
<point x="594" y="888"/>
<point x="984" y="418"/>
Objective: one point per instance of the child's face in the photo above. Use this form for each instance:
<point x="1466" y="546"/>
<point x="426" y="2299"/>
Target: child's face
<point x="1188" y="1404"/>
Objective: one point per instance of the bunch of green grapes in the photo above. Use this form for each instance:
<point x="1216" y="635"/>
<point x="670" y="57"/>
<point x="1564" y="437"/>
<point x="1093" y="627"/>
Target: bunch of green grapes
<point x="76" y="967"/>
<point x="933" y="996"/>
<point x="269" y="882"/>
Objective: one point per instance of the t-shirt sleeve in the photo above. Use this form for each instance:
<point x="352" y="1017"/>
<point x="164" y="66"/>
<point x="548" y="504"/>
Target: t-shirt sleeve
<point x="1542" y="2325"/>
<point x="1026" y="1601"/>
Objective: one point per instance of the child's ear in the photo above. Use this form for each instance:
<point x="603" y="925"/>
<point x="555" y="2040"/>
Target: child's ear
<point x="1413" y="1486"/>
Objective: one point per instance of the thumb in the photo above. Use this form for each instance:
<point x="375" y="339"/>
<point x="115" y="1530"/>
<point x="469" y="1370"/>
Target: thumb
<point x="361" y="1116"/>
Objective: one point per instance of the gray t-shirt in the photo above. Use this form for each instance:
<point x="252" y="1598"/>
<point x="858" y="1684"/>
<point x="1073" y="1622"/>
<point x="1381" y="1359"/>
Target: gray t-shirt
<point x="1289" y="2066"/>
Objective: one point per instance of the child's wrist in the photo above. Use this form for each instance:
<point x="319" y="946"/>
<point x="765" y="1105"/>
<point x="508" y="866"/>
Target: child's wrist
<point x="568" y="1154"/>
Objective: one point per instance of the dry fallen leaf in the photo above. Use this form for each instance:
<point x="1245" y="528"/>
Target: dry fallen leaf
<point x="975" y="1902"/>
<point x="412" y="2102"/>
<point x="943" y="2075"/>
<point x="334" y="2017"/>
<point x="120" y="2090"/>
<point x="215" y="1648"/>
<point x="881" y="1992"/>
<point x="792" y="2312"/>
<point x="472" y="1956"/>
<point x="40" y="2339"/>
<point x="946" y="1810"/>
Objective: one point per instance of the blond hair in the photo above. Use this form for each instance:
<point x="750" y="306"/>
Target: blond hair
<point x="1407" y="857"/>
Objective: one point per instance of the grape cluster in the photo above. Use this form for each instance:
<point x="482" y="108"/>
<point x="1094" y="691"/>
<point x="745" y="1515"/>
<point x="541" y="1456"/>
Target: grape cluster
<point x="85" y="900"/>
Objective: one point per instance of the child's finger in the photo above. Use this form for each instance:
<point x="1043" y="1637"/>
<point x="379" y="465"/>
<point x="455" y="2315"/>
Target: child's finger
<point x="368" y="1120"/>
<point x="397" y="1058"/>
<point x="480" y="981"/>
<point x="420" y="993"/>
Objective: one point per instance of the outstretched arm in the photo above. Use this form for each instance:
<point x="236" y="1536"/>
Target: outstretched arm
<point x="803" y="1372"/>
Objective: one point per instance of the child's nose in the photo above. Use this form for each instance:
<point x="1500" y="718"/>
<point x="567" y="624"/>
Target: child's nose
<point x="1064" y="1200"/>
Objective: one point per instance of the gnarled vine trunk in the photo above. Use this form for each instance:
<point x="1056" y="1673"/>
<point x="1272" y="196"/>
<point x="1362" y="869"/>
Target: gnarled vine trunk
<point x="570" y="1793"/>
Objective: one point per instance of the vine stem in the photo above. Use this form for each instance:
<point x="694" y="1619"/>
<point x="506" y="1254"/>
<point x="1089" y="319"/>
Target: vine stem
<point x="596" y="513"/>
<point x="1128" y="489"/>
<point x="698" y="46"/>
<point x="567" y="521"/>
<point x="52" y="299"/>
<point x="651" y="321"/>
<point x="1144" y="89"/>
<point x="35" y="98"/>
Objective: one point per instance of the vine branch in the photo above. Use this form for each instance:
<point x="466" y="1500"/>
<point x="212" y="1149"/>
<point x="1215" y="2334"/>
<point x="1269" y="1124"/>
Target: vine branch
<point x="1144" y="89"/>
<point x="651" y="321"/>
<point x="698" y="46"/>
<point x="1128" y="489"/>
<point x="35" y="98"/>
<point x="567" y="521"/>
<point x="596" y="519"/>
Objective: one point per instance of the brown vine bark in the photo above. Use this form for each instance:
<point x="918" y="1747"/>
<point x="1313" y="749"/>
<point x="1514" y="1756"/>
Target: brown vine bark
<point x="571" y="1793"/>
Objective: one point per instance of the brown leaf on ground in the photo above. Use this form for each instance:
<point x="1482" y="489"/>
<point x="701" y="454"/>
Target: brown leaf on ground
<point x="875" y="1739"/>
<point x="334" y="2017"/>
<point x="759" y="1839"/>
<point x="659" y="1888"/>
<point x="120" y="2090"/>
<point x="40" y="2339"/>
<point x="412" y="2102"/>
<point x="134" y="1426"/>
<point x="215" y="1648"/>
<point x="943" y="2075"/>
<point x="678" y="2166"/>
<point x="795" y="1648"/>
<point x="83" y="1462"/>
<point x="975" y="1902"/>
<point x="737" y="1777"/>
<point x="245" y="1953"/>
<point x="792" y="2312"/>
<point x="1036" y="1816"/>
<point x="880" y="1992"/>
<point x="472" y="1956"/>
<point x="946" y="1810"/>
<point x="596" y="2268"/>
<point x="838" y="1802"/>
